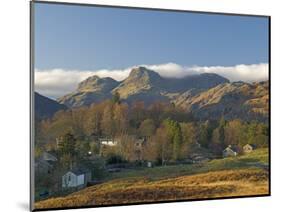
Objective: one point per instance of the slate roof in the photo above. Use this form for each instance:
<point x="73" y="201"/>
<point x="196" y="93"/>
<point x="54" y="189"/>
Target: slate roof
<point x="234" y="148"/>
<point x="79" y="171"/>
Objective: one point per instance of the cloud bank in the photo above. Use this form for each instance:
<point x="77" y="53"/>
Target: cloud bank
<point x="58" y="82"/>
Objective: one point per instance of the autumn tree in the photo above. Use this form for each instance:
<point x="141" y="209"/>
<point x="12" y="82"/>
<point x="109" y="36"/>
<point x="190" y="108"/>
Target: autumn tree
<point x="234" y="133"/>
<point x="156" y="112"/>
<point x="147" y="128"/>
<point x="107" y="123"/>
<point x="66" y="148"/>
<point x="51" y="129"/>
<point x="79" y="117"/>
<point x="137" y="113"/>
<point x="159" y="148"/>
<point x="120" y="118"/>
<point x="93" y="121"/>
<point x="126" y="147"/>
<point x="189" y="137"/>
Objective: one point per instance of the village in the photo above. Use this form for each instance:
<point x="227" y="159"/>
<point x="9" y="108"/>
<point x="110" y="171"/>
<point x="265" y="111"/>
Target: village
<point x="91" y="170"/>
<point x="93" y="145"/>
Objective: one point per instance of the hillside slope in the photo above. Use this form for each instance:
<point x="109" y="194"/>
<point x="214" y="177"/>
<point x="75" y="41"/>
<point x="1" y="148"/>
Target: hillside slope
<point x="231" y="100"/>
<point x="46" y="107"/>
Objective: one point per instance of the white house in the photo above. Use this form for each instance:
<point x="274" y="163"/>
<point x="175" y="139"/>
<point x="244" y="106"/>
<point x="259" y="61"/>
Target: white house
<point x="230" y="151"/>
<point x="107" y="142"/>
<point x="76" y="178"/>
<point x="249" y="148"/>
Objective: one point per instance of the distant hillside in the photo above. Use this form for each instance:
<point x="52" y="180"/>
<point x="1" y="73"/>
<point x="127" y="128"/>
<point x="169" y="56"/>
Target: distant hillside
<point x="45" y="107"/>
<point x="142" y="84"/>
<point x="232" y="100"/>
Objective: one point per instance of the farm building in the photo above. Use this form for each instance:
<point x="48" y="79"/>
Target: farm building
<point x="230" y="151"/>
<point x="249" y="148"/>
<point x="76" y="178"/>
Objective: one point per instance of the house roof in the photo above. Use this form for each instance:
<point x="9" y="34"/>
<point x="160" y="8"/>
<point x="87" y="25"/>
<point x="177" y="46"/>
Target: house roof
<point x="232" y="148"/>
<point x="79" y="171"/>
<point x="48" y="157"/>
<point x="41" y="162"/>
<point x="251" y="145"/>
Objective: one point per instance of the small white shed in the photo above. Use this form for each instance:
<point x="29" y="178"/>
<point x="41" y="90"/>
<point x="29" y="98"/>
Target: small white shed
<point x="76" y="178"/>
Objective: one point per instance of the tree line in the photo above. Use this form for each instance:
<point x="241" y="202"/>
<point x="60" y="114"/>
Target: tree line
<point x="170" y="133"/>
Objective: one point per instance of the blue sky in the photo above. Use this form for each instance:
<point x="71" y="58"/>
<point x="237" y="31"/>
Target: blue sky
<point x="75" y="42"/>
<point x="82" y="38"/>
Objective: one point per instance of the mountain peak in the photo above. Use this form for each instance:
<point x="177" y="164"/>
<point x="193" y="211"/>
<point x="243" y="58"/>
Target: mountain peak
<point x="96" y="83"/>
<point x="143" y="73"/>
<point x="92" y="89"/>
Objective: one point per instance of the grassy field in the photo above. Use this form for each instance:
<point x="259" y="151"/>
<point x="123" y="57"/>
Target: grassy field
<point x="244" y="175"/>
<point x="251" y="160"/>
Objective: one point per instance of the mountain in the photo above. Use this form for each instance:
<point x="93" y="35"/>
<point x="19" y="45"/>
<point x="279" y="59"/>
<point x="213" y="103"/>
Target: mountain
<point x="141" y="84"/>
<point x="93" y="89"/>
<point x="139" y="80"/>
<point x="199" y="81"/>
<point x="46" y="107"/>
<point x="232" y="100"/>
<point x="207" y="96"/>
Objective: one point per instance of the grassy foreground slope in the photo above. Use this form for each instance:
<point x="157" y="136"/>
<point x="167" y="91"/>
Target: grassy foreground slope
<point x="244" y="175"/>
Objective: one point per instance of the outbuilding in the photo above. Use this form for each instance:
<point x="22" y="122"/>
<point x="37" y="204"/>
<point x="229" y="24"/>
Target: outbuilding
<point x="249" y="148"/>
<point x="76" y="178"/>
<point x="230" y="151"/>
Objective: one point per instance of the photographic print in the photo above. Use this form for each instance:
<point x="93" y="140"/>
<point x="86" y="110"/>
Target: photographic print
<point x="138" y="106"/>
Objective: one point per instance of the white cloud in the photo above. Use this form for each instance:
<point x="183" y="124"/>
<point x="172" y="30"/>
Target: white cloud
<point x="57" y="82"/>
<point x="247" y="73"/>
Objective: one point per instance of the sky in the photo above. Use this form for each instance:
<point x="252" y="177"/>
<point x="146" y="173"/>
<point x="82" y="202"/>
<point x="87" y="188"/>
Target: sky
<point x="75" y="42"/>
